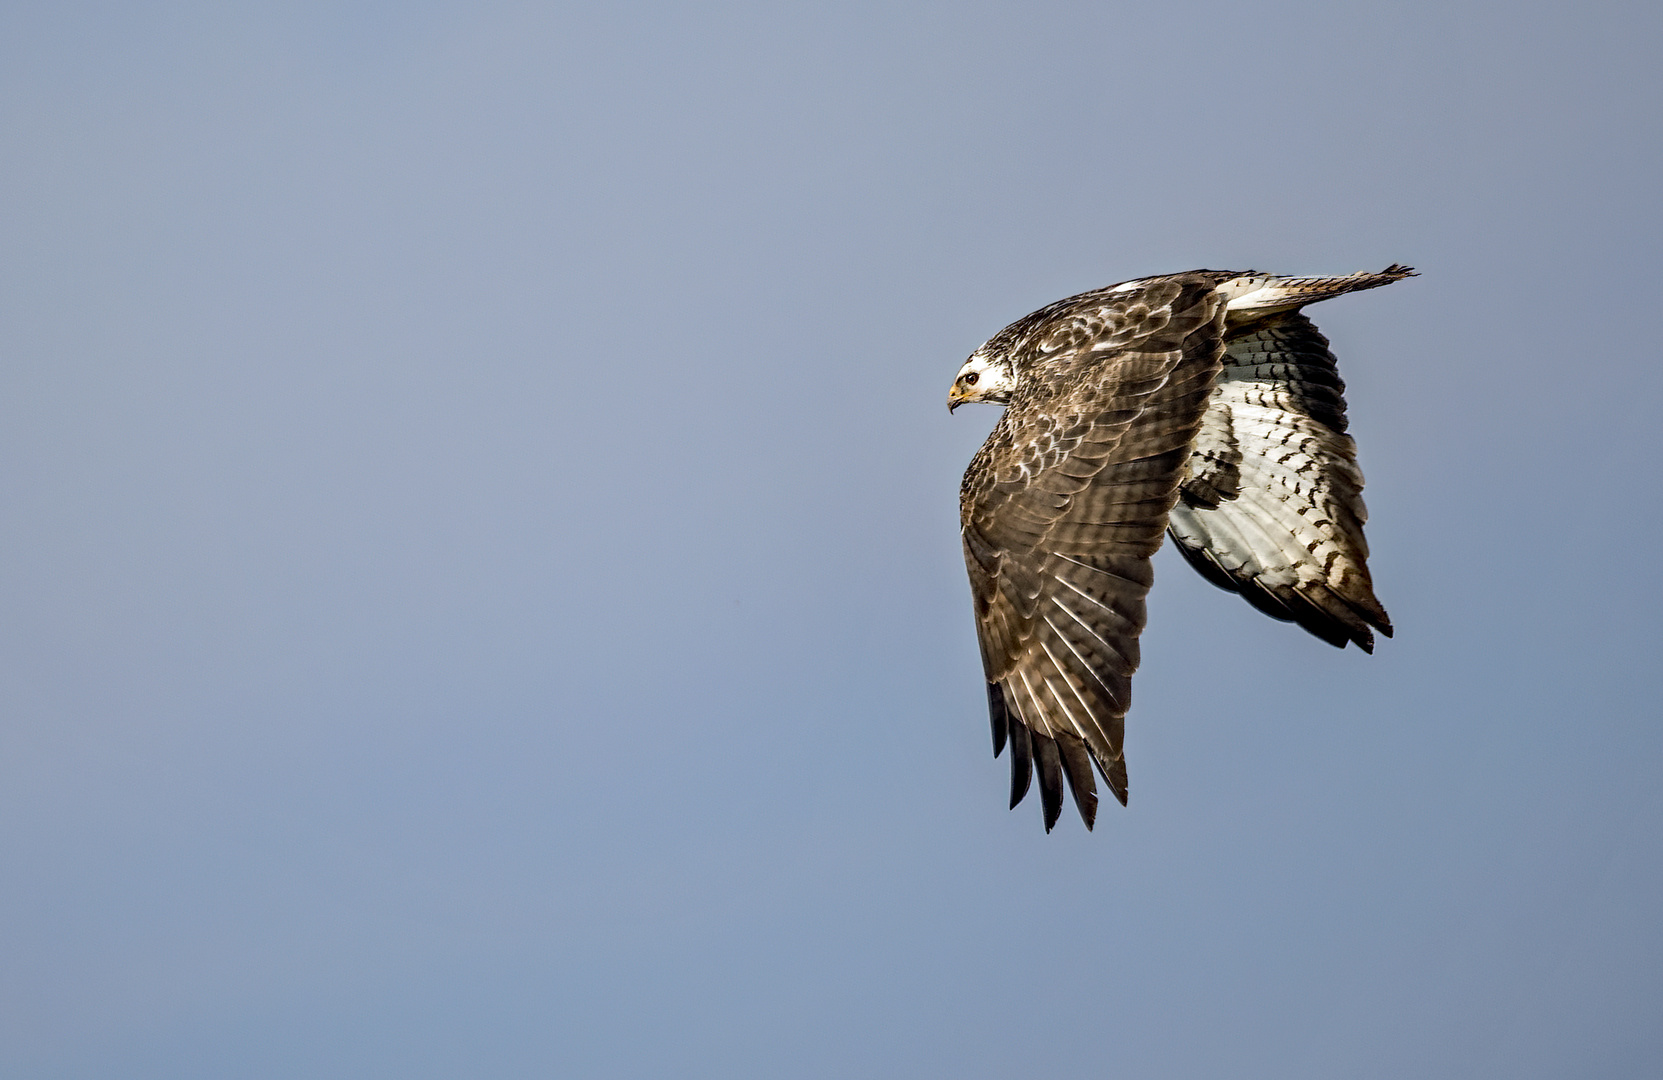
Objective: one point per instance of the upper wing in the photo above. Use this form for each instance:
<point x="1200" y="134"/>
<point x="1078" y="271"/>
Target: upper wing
<point x="1062" y="509"/>
<point x="1273" y="504"/>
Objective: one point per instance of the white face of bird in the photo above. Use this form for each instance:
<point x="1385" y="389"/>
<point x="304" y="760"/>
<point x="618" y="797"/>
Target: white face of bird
<point x="982" y="379"/>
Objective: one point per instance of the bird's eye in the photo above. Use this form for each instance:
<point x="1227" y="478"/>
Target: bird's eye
<point x="970" y="379"/>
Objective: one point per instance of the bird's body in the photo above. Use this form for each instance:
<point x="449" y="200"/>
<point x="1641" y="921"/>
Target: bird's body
<point x="1202" y="403"/>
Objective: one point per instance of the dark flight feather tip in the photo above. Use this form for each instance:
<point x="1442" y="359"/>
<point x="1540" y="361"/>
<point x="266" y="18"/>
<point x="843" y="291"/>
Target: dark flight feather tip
<point x="998" y="715"/>
<point x="1048" y="763"/>
<point x="1022" y="762"/>
<point x="1076" y="765"/>
<point x="1117" y="780"/>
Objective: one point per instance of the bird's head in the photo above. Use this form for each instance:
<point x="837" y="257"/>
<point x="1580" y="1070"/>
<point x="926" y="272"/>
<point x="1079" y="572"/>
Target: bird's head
<point x="983" y="378"/>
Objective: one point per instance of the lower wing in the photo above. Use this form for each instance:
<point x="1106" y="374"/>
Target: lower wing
<point x="1273" y="505"/>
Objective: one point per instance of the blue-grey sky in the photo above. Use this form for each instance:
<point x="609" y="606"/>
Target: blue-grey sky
<point x="479" y="558"/>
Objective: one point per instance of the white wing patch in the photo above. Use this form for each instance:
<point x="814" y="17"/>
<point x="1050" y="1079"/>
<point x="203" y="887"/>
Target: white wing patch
<point x="1273" y="505"/>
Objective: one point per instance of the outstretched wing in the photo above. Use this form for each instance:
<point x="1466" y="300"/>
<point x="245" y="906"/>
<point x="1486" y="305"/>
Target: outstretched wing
<point x="1062" y="509"/>
<point x="1273" y="507"/>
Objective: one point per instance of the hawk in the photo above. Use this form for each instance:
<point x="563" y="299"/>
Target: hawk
<point x="1204" y="405"/>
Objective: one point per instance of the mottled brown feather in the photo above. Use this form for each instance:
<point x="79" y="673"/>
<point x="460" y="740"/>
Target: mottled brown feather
<point x="1066" y="502"/>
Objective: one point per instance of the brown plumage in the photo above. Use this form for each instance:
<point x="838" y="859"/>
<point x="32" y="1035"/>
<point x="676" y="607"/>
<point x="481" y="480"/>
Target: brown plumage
<point x="1202" y="401"/>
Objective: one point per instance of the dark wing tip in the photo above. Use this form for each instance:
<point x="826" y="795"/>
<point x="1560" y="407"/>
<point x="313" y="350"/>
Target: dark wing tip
<point x="998" y="715"/>
<point x="1076" y="763"/>
<point x="1048" y="763"/>
<point x="1022" y="762"/>
<point x="1116" y="776"/>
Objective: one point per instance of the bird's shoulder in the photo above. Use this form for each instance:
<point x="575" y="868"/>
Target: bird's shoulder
<point x="1073" y="332"/>
<point x="1061" y="354"/>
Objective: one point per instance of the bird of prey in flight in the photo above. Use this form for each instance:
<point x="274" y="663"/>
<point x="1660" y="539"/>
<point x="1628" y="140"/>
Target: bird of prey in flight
<point x="1203" y="404"/>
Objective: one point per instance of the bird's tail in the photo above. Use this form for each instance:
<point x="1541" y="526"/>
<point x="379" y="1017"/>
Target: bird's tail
<point x="1253" y="296"/>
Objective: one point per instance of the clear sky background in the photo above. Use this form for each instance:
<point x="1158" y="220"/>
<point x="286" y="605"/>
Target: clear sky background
<point x="479" y="565"/>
